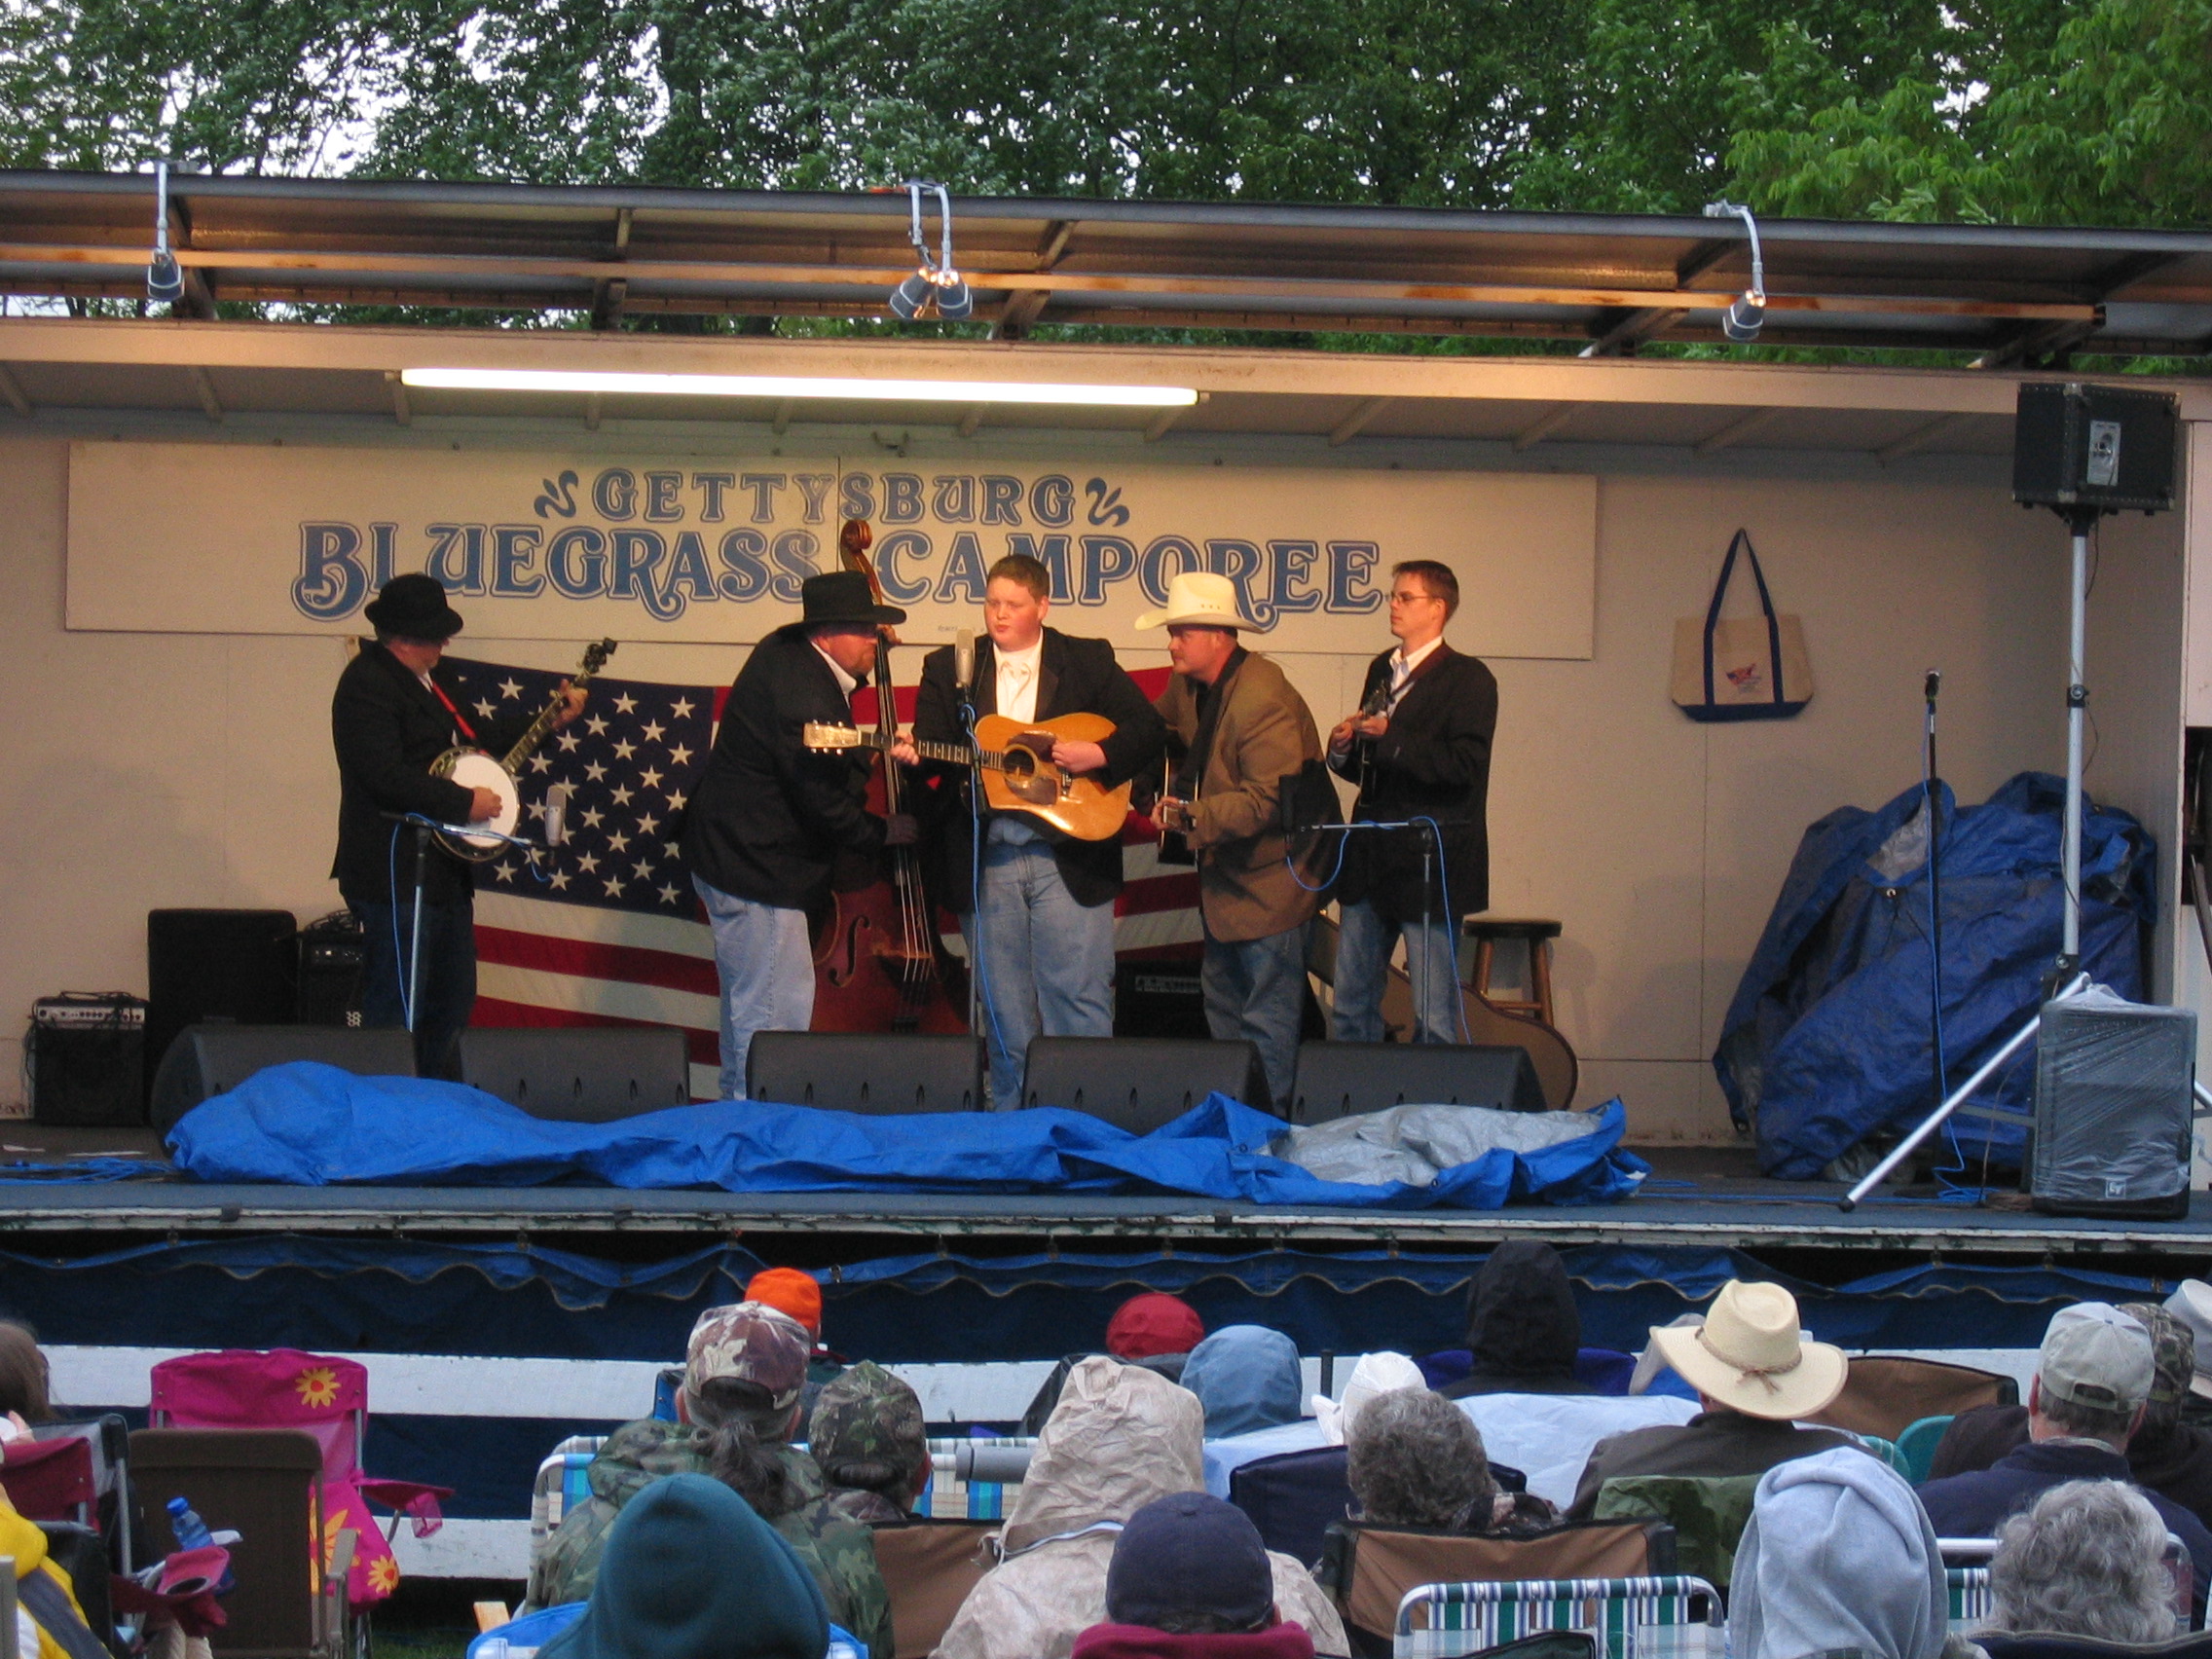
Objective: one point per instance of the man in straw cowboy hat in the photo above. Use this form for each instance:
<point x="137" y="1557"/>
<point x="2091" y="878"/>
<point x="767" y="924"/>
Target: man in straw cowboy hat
<point x="2092" y="1384"/>
<point x="1236" y="730"/>
<point x="1755" y="1374"/>
<point x="766" y="817"/>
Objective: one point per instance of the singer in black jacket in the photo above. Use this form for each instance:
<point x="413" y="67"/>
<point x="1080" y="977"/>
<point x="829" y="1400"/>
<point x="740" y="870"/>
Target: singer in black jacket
<point x="1045" y="933"/>
<point x="1418" y="748"/>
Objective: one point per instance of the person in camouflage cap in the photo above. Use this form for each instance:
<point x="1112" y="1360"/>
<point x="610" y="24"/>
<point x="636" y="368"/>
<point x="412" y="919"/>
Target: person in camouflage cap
<point x="744" y="1368"/>
<point x="867" y="1435"/>
<point x="2168" y="1456"/>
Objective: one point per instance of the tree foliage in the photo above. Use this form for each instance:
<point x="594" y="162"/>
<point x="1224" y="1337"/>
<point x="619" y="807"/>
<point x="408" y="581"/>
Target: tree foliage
<point x="2046" y="111"/>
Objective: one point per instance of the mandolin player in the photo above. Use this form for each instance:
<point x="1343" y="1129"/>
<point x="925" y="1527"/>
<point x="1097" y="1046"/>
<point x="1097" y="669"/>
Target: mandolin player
<point x="1044" y="931"/>
<point x="393" y="713"/>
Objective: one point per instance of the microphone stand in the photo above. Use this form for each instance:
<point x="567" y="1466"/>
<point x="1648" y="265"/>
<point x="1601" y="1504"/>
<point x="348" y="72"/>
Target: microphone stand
<point x="424" y="828"/>
<point x="1432" y="848"/>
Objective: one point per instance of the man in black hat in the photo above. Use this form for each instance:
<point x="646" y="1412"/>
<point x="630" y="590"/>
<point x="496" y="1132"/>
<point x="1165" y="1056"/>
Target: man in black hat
<point x="767" y="816"/>
<point x="393" y="713"/>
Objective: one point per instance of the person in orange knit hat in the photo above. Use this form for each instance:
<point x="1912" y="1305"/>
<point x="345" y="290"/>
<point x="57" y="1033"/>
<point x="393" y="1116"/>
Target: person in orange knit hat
<point x="792" y="1291"/>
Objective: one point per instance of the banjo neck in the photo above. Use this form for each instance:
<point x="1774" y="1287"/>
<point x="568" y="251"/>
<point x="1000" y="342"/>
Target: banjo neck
<point x="594" y="658"/>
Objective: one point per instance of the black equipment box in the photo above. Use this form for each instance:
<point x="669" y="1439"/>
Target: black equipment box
<point x="1158" y="999"/>
<point x="2106" y="448"/>
<point x="330" y="971"/>
<point x="88" y="1060"/>
<point x="240" y="965"/>
<point x="2115" y="1108"/>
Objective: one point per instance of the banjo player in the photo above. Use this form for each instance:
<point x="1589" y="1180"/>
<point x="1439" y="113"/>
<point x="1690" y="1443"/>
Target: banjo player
<point x="394" y="712"/>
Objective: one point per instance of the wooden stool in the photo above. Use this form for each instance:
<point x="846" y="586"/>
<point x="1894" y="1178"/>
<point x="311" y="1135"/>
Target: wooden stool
<point x="1538" y="934"/>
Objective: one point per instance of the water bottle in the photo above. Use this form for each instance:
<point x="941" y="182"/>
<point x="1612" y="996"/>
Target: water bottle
<point x="190" y="1531"/>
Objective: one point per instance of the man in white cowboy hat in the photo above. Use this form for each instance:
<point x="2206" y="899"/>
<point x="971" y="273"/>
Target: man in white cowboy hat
<point x="1755" y="1374"/>
<point x="2092" y="1383"/>
<point x="1236" y="729"/>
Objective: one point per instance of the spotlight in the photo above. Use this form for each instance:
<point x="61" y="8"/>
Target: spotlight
<point x="935" y="288"/>
<point x="1744" y="314"/>
<point x="164" y="277"/>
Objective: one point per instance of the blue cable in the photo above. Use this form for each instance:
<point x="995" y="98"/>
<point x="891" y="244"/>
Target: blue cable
<point x="976" y="895"/>
<point x="392" y="882"/>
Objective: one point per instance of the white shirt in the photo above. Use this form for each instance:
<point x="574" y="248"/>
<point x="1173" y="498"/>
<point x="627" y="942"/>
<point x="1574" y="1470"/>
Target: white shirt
<point x="1018" y="673"/>
<point x="1402" y="667"/>
<point x="845" y="682"/>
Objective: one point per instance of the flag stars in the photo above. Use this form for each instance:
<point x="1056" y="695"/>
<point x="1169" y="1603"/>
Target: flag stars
<point x="541" y="763"/>
<point x="655" y="731"/>
<point x="568" y="740"/>
<point x="675" y="800"/>
<point x="683" y="708"/>
<point x="595" y="772"/>
<point x="509" y="691"/>
<point x="670" y="895"/>
<point x="678" y="755"/>
<point x="613" y="886"/>
<point x="625" y="704"/>
<point x="505" y="872"/>
<point x="644" y="871"/>
<point x="621" y="795"/>
<point x="596" y="726"/>
<point x="560" y="880"/>
<point x="648" y="824"/>
<point x="587" y="862"/>
<point x="618" y="842"/>
<point x="650" y="778"/>
<point x="591" y="817"/>
<point x="624" y="749"/>
<point x="485" y="707"/>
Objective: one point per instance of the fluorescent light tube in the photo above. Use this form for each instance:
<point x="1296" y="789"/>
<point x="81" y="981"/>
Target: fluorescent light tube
<point x="802" y="386"/>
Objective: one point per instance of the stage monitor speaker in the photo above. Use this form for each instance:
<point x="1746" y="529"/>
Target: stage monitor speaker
<point x="1138" y="1083"/>
<point x="207" y="1060"/>
<point x="86" y="1060"/>
<point x="2108" y="448"/>
<point x="2115" y="1109"/>
<point x="236" y="965"/>
<point x="1158" y="999"/>
<point x="331" y="954"/>
<point x="883" y="1073"/>
<point x="579" y="1073"/>
<point x="1336" y="1079"/>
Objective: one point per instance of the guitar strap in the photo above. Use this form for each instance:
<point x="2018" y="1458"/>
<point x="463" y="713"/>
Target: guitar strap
<point x="459" y="719"/>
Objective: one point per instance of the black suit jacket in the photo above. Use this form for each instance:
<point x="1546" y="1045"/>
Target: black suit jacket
<point x="1433" y="762"/>
<point x="1074" y="675"/>
<point x="386" y="728"/>
<point x="766" y="817"/>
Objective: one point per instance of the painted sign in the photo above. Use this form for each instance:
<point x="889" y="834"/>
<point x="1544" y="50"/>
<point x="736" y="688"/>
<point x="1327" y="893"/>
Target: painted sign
<point x="232" y="539"/>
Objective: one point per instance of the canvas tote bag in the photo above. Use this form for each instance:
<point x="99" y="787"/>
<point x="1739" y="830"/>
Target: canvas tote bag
<point x="1740" y="667"/>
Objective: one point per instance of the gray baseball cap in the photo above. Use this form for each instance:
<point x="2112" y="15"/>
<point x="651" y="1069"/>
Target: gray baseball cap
<point x="2094" y="1356"/>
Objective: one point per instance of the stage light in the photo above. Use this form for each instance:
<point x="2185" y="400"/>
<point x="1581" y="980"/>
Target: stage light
<point x="833" y="387"/>
<point x="164" y="277"/>
<point x="935" y="287"/>
<point x="1745" y="316"/>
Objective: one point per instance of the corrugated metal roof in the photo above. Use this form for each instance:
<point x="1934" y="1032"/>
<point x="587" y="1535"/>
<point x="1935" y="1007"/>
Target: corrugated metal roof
<point x="2011" y="294"/>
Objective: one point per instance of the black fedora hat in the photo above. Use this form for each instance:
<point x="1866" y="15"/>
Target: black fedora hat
<point x="414" y="607"/>
<point x="843" y="595"/>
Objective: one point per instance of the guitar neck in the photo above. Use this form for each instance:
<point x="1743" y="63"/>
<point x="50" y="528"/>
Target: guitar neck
<point x="953" y="753"/>
<point x="527" y="745"/>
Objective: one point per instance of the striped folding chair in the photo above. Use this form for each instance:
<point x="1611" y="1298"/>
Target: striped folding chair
<point x="560" y="1487"/>
<point x="1673" y="1617"/>
<point x="1968" y="1596"/>
<point x="949" y="1497"/>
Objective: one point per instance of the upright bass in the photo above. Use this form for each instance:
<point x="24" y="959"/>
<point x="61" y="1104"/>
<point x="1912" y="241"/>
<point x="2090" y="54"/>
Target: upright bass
<point x="880" y="962"/>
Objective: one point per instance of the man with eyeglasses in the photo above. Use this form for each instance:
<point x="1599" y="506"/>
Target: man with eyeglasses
<point x="1418" y="748"/>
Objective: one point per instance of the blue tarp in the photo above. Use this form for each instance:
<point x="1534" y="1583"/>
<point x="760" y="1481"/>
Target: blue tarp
<point x="311" y="1124"/>
<point x="1831" y="1037"/>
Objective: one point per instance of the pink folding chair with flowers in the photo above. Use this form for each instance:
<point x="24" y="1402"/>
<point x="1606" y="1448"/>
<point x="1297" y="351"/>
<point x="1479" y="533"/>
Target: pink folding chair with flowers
<point x="320" y="1395"/>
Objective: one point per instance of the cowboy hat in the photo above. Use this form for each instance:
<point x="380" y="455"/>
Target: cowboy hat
<point x="1751" y="1356"/>
<point x="1198" y="598"/>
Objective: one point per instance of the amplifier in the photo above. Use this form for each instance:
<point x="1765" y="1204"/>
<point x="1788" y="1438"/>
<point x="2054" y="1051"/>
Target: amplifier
<point x="2104" y="447"/>
<point x="2113" y="1108"/>
<point x="88" y="1060"/>
<point x="1158" y="999"/>
<point x="330" y="972"/>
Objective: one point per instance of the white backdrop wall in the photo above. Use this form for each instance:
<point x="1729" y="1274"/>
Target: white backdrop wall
<point x="152" y="769"/>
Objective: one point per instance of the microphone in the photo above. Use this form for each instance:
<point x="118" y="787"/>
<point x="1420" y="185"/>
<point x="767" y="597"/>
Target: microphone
<point x="557" y="815"/>
<point x="1933" y="684"/>
<point x="964" y="664"/>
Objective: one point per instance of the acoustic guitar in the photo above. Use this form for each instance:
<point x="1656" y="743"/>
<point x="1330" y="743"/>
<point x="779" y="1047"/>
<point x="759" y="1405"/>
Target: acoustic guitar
<point x="1018" y="771"/>
<point x="479" y="769"/>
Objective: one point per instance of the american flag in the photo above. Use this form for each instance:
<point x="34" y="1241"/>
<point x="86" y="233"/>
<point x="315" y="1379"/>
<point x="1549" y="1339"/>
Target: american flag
<point x="607" y="930"/>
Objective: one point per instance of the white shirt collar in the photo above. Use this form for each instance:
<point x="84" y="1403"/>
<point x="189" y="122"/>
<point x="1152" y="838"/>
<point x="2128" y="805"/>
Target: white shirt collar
<point x="1399" y="661"/>
<point x="845" y="682"/>
<point x="1032" y="655"/>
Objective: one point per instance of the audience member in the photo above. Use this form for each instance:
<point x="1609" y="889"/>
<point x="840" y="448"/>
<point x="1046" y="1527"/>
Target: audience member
<point x="2191" y="1303"/>
<point x="1152" y="1327"/>
<point x="1523" y="1327"/>
<point x="739" y="1405"/>
<point x="1190" y="1579"/>
<point x="788" y="1290"/>
<point x="23" y="1384"/>
<point x="867" y="1436"/>
<point x="2086" y="1559"/>
<point x="1837" y="1558"/>
<point x="1415" y="1460"/>
<point x="2166" y="1456"/>
<point x="1119" y="1438"/>
<point x="49" y="1622"/>
<point x="2092" y="1380"/>
<point x="1755" y="1377"/>
<point x="691" y="1573"/>
<point x="1248" y="1378"/>
<point x="1375" y="1374"/>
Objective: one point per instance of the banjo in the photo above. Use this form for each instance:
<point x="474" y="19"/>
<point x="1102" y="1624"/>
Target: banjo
<point x="477" y="769"/>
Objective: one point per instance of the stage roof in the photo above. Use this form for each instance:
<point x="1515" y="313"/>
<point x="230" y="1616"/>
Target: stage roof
<point x="2011" y="295"/>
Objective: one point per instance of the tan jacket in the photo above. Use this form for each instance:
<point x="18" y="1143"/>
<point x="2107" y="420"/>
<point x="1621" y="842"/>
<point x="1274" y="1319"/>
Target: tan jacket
<point x="1265" y="733"/>
<point x="1121" y="1437"/>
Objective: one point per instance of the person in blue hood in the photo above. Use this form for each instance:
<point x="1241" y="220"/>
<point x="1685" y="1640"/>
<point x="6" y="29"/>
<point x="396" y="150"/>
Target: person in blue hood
<point x="691" y="1573"/>
<point x="1248" y="1378"/>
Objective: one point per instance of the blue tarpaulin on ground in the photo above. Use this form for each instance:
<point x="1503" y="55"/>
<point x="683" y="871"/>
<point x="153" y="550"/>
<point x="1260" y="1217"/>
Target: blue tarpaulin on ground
<point x="1831" y="1033"/>
<point x="310" y="1124"/>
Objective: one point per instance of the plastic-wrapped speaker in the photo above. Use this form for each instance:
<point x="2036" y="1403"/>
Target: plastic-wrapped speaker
<point x="2113" y="1108"/>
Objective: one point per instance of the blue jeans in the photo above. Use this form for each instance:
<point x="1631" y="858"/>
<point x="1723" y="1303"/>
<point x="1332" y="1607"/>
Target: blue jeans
<point x="1255" y="992"/>
<point x="448" y="978"/>
<point x="767" y="966"/>
<point x="1048" y="962"/>
<point x="1365" y="938"/>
